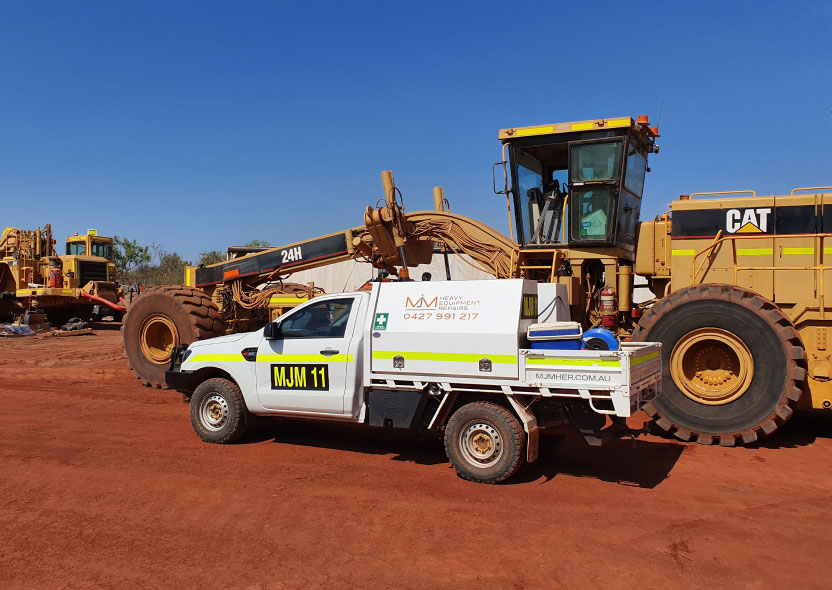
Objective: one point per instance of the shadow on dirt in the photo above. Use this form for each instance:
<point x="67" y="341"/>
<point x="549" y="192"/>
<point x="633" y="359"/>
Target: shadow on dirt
<point x="803" y="429"/>
<point x="639" y="463"/>
<point x="105" y="325"/>
<point x="354" y="438"/>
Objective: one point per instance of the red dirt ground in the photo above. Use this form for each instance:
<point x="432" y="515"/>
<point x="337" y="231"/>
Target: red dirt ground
<point x="104" y="484"/>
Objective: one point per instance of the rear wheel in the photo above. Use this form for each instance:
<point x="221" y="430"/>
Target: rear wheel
<point x="159" y="320"/>
<point x="218" y="411"/>
<point x="484" y="442"/>
<point x="733" y="364"/>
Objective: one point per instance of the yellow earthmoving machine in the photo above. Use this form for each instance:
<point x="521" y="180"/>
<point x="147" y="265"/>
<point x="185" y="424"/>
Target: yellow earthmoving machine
<point x="35" y="278"/>
<point x="739" y="305"/>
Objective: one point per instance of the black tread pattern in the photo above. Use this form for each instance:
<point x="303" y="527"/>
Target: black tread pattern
<point x="515" y="439"/>
<point x="238" y="420"/>
<point x="783" y="327"/>
<point x="204" y="319"/>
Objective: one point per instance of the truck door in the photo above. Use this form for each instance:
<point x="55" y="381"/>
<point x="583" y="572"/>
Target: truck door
<point x="305" y="368"/>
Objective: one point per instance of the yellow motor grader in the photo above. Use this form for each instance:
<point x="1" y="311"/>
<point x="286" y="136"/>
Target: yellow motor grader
<point x="34" y="277"/>
<point x="739" y="304"/>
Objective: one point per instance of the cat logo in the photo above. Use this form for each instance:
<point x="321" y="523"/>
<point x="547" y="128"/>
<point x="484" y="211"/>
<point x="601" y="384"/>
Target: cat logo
<point x="747" y="221"/>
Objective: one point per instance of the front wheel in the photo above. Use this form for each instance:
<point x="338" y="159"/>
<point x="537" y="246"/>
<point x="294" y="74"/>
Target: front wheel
<point x="484" y="442"/>
<point x="218" y="411"/>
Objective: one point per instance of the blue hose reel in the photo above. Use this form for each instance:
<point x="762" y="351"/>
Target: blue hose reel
<point x="600" y="339"/>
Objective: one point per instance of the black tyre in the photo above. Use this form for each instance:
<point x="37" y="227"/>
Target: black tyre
<point x="159" y="320"/>
<point x="485" y="442"/>
<point x="218" y="412"/>
<point x="733" y="364"/>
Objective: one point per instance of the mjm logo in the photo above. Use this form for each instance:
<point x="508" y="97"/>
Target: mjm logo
<point x="421" y="303"/>
<point x="747" y="221"/>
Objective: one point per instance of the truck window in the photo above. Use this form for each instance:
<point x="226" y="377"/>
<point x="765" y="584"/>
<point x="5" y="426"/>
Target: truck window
<point x="596" y="162"/>
<point x="634" y="177"/>
<point x="102" y="249"/>
<point x="531" y="196"/>
<point x="327" y="319"/>
<point x="592" y="211"/>
<point x="76" y="249"/>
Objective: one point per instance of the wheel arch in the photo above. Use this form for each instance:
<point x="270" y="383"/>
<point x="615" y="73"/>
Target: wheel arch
<point x="513" y="404"/>
<point x="201" y="375"/>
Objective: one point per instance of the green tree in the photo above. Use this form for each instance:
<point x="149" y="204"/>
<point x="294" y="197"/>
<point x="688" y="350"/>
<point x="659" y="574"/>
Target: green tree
<point x="129" y="256"/>
<point x="211" y="257"/>
<point x="168" y="270"/>
<point x="258" y="244"/>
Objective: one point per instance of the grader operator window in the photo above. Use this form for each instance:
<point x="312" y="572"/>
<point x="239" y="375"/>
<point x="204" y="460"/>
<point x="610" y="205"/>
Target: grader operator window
<point x="541" y="173"/>
<point x="594" y="173"/>
<point x="102" y="249"/>
<point x="76" y="249"/>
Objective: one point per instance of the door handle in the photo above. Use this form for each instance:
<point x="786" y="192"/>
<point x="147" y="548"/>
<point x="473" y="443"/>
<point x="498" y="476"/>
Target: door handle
<point x="329" y="351"/>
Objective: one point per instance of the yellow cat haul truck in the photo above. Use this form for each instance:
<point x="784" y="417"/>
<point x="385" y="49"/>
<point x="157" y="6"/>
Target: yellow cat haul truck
<point x="740" y="307"/>
<point x="35" y="277"/>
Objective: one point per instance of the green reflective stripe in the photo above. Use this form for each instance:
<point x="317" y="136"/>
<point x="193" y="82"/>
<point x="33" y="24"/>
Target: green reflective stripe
<point x="201" y="358"/>
<point x="574" y="362"/>
<point x="304" y="358"/>
<point x="754" y="251"/>
<point x="798" y="250"/>
<point x="501" y="359"/>
<point x="645" y="358"/>
<point x="683" y="252"/>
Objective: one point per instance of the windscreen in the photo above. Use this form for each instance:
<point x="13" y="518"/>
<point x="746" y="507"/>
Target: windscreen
<point x="594" y="162"/>
<point x="103" y="249"/>
<point x="76" y="249"/>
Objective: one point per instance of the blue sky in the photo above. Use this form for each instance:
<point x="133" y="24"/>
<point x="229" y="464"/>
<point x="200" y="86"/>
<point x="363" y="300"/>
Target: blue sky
<point x="197" y="125"/>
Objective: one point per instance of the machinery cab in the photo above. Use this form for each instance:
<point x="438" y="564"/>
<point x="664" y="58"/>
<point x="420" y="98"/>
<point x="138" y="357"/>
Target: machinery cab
<point x="89" y="257"/>
<point x="90" y="244"/>
<point x="577" y="184"/>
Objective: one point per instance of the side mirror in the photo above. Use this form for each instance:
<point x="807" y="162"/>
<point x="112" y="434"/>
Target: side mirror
<point x="272" y="331"/>
<point x="506" y="189"/>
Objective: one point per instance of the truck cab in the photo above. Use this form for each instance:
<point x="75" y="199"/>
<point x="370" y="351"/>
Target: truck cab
<point x="445" y="357"/>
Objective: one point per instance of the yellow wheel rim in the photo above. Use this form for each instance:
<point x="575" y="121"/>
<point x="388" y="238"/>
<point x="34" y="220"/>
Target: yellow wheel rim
<point x="711" y="366"/>
<point x="158" y="337"/>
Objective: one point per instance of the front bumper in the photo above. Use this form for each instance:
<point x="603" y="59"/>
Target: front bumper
<point x="180" y="380"/>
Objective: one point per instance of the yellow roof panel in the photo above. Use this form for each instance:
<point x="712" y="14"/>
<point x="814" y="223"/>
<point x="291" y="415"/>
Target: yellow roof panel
<point x="514" y="132"/>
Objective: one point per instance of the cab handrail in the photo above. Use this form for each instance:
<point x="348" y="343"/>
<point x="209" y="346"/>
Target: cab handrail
<point x="753" y="194"/>
<point x="810" y="188"/>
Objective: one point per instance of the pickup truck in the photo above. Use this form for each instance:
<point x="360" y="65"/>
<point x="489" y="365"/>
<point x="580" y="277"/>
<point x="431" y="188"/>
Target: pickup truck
<point x="448" y="357"/>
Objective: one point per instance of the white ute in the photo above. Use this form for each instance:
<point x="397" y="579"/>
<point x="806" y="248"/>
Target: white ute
<point x="449" y="356"/>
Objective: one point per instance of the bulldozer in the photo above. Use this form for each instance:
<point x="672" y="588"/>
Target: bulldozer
<point x="35" y="278"/>
<point x="738" y="280"/>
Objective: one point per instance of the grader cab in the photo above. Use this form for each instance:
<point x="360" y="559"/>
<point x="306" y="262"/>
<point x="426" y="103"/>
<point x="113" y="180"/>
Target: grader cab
<point x="574" y="196"/>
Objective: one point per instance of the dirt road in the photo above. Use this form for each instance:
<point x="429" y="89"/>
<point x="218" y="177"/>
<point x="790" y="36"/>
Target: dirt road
<point x="104" y="484"/>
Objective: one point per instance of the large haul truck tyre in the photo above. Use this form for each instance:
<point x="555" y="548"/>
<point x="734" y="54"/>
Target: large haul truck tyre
<point x="485" y="442"/>
<point x="733" y="364"/>
<point x="218" y="412"/>
<point x="160" y="319"/>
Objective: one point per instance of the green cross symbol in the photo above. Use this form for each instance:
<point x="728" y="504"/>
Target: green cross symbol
<point x="381" y="321"/>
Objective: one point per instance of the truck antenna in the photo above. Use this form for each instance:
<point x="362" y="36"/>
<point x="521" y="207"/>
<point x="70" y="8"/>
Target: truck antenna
<point x="661" y="110"/>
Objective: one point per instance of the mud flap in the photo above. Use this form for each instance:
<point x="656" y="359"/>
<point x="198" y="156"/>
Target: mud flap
<point x="531" y="428"/>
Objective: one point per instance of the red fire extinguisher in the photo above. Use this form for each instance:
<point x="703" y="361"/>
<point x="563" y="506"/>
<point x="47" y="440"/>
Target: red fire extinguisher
<point x="55" y="274"/>
<point x="608" y="308"/>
